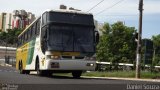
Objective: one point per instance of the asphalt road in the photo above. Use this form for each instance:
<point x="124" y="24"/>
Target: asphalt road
<point x="11" y="79"/>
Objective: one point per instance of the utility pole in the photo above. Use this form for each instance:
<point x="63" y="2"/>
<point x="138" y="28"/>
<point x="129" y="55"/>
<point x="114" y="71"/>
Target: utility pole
<point x="139" y="44"/>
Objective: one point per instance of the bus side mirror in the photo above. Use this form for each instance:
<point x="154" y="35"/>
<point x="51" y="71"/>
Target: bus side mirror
<point x="96" y="37"/>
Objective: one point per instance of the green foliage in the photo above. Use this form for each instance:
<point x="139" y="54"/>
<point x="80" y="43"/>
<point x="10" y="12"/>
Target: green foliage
<point x="3" y="35"/>
<point x="124" y="74"/>
<point x="10" y="37"/>
<point x="156" y="40"/>
<point x="116" y="43"/>
<point x="156" y="46"/>
<point x="110" y="74"/>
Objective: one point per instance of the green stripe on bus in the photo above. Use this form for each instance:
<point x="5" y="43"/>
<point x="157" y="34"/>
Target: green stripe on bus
<point x="31" y="51"/>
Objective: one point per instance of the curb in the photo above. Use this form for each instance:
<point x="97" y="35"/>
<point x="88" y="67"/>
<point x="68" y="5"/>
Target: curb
<point x="6" y="65"/>
<point x="9" y="65"/>
<point x="133" y="79"/>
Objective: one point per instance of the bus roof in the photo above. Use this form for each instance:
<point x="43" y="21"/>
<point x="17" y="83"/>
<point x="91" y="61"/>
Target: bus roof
<point x="68" y="11"/>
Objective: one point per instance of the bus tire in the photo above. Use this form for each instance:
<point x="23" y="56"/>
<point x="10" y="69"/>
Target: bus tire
<point x="39" y="72"/>
<point x="37" y="67"/>
<point x="21" y="68"/>
<point x="48" y="73"/>
<point x="76" y="74"/>
<point x="27" y="72"/>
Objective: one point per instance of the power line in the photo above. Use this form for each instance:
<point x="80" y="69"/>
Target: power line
<point x="120" y="15"/>
<point x="95" y="5"/>
<point x="110" y="7"/>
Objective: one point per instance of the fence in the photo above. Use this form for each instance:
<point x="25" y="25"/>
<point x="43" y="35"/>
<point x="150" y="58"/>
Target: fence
<point x="8" y="60"/>
<point x="107" y="66"/>
<point x="7" y="55"/>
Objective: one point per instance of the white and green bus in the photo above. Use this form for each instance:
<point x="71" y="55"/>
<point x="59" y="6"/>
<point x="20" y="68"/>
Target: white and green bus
<point x="59" y="41"/>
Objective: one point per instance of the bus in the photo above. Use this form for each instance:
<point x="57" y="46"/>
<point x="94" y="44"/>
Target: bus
<point x="59" y="41"/>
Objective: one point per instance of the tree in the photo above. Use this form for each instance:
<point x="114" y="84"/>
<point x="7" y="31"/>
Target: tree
<point x="10" y="37"/>
<point x="117" y="44"/>
<point x="156" y="49"/>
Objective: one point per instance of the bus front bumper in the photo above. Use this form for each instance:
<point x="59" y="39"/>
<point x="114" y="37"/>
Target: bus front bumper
<point x="70" y="65"/>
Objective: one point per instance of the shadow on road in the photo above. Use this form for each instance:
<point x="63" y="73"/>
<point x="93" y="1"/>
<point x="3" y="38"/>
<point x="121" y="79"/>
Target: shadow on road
<point x="70" y="77"/>
<point x="61" y="77"/>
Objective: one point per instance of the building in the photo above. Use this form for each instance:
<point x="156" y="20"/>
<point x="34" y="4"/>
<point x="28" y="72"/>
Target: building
<point x="31" y="17"/>
<point x="5" y="21"/>
<point x="18" y="19"/>
<point x="8" y="21"/>
<point x="21" y="18"/>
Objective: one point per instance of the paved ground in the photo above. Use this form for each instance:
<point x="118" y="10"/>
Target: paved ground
<point x="10" y="78"/>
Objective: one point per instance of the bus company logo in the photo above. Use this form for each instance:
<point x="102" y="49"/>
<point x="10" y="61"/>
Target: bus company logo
<point x="8" y="87"/>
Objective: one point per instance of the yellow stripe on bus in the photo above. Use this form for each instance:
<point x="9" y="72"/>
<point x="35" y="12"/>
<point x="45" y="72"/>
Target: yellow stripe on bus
<point x="21" y="55"/>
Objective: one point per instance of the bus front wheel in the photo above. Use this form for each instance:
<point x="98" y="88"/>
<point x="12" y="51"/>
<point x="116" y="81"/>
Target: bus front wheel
<point x="37" y="68"/>
<point x="27" y="72"/>
<point x="76" y="74"/>
<point x="39" y="72"/>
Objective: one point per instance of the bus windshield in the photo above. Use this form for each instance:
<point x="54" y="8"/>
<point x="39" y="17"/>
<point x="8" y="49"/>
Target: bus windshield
<point x="71" y="38"/>
<point x="70" y="18"/>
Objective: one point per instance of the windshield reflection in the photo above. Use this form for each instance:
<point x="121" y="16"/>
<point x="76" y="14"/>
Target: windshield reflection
<point x="69" y="38"/>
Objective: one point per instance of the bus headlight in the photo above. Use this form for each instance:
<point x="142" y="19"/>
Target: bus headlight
<point x="90" y="64"/>
<point x="53" y="57"/>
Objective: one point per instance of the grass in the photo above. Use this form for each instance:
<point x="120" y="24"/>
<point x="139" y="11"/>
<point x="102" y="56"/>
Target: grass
<point x="124" y="74"/>
<point x="121" y="74"/>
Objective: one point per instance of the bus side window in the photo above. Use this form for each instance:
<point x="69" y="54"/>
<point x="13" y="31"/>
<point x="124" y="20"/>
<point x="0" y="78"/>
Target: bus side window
<point x="19" y="41"/>
<point x="29" y="35"/>
<point x="34" y="27"/>
<point x="44" y="19"/>
<point x="33" y="30"/>
<point x="39" y="24"/>
<point x="35" y="24"/>
<point x="22" y="39"/>
<point x="38" y="27"/>
<point x="30" y="29"/>
<point x="25" y="36"/>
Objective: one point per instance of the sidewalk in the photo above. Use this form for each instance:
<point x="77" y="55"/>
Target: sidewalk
<point x="119" y="78"/>
<point x="6" y="65"/>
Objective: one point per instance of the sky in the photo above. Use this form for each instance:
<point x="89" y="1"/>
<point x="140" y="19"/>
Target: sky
<point x="125" y="10"/>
